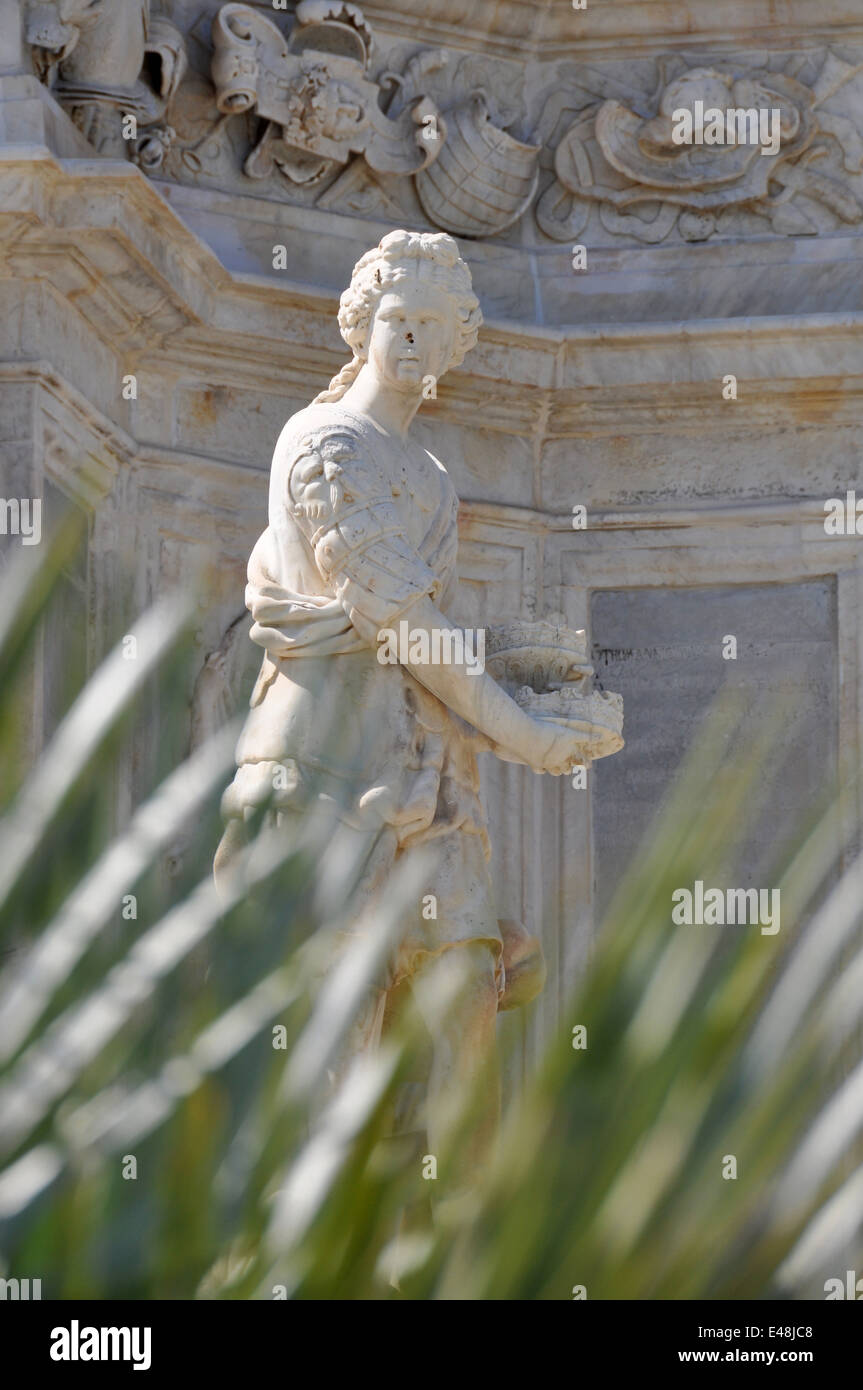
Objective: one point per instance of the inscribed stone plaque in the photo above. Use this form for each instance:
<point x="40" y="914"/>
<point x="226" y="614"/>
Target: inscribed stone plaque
<point x="662" y="649"/>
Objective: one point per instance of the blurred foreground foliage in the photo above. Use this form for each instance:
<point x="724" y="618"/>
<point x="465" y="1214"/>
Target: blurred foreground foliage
<point x="142" y="1041"/>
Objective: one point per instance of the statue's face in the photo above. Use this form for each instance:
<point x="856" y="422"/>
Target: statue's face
<point x="411" y="335"/>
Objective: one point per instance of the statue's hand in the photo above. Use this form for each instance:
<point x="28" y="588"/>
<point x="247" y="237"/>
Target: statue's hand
<point x="549" y="747"/>
<point x="561" y="748"/>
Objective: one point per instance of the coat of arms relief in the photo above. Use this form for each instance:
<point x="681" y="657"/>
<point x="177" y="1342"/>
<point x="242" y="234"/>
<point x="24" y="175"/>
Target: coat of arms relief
<point x="620" y="159"/>
<point x="311" y="108"/>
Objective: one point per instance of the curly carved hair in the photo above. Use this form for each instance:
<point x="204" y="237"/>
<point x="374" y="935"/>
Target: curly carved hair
<point x="376" y="273"/>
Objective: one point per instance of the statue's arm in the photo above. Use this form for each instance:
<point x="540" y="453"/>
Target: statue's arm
<point x="477" y="697"/>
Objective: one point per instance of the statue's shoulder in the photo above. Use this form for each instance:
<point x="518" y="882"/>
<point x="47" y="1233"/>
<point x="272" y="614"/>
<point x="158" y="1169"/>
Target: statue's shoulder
<point x="315" y="425"/>
<point x="327" y="462"/>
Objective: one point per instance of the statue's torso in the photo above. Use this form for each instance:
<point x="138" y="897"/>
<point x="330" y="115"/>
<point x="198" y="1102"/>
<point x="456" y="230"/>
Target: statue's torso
<point x="342" y="722"/>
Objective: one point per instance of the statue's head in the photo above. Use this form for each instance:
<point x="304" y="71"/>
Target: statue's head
<point x="409" y="311"/>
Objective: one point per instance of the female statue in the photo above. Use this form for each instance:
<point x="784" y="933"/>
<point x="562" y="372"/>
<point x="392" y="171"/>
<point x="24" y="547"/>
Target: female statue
<point x="362" y="536"/>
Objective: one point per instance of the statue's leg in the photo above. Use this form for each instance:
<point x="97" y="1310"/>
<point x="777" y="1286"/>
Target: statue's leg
<point x="464" y="1070"/>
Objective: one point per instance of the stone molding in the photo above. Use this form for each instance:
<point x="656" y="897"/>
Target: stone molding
<point x="102" y="237"/>
<point x="607" y="27"/>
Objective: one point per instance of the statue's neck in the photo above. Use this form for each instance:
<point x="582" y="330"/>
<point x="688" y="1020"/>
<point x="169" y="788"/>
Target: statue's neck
<point x="392" y="411"/>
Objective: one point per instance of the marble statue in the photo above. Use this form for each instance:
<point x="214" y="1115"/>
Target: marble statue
<point x="362" y="538"/>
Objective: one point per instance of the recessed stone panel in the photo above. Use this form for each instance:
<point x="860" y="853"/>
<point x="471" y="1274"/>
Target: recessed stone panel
<point x="662" y="650"/>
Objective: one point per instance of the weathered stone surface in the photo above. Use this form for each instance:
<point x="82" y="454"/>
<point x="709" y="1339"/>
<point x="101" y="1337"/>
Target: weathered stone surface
<point x="663" y="649"/>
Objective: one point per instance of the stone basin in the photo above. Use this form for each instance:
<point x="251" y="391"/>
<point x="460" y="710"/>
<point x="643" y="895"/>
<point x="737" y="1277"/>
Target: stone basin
<point x="544" y="667"/>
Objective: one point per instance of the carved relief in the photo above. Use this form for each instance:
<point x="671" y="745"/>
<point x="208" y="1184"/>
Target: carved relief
<point x="314" y="93"/>
<point x="319" y="115"/>
<point x="483" y="179"/>
<point x="52" y="29"/>
<point x="644" y="184"/>
<point x="106" y="59"/>
<point x="485" y="176"/>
